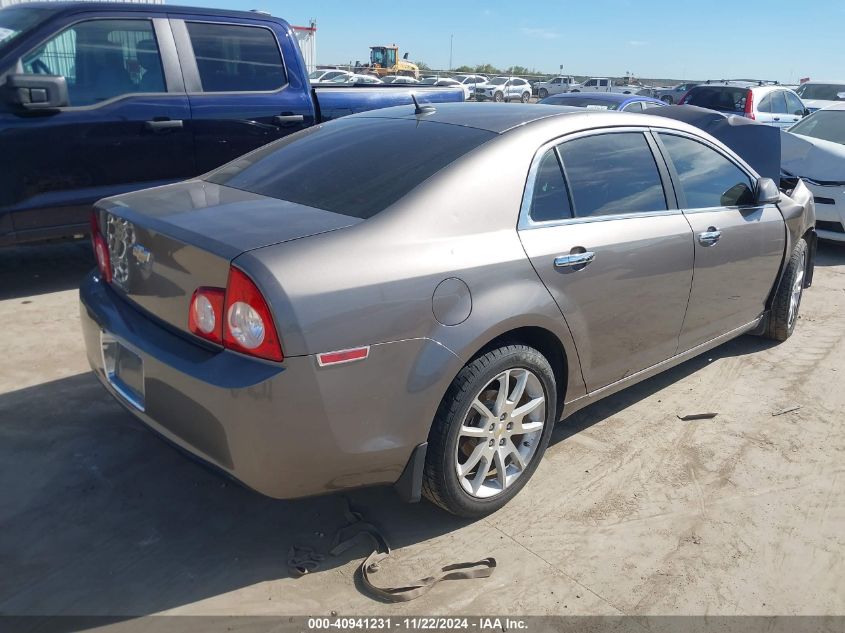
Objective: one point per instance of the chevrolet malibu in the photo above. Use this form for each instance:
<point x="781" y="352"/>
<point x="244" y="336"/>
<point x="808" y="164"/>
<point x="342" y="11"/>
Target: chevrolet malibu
<point x="415" y="296"/>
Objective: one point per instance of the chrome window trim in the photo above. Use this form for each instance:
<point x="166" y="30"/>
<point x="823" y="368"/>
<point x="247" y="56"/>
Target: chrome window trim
<point x="525" y="222"/>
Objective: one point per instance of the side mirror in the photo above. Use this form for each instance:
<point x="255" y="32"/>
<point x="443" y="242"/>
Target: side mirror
<point x="806" y="112"/>
<point x="767" y="192"/>
<point x="37" y="92"/>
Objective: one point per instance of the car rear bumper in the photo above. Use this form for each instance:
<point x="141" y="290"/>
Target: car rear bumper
<point x="287" y="429"/>
<point x="830" y="210"/>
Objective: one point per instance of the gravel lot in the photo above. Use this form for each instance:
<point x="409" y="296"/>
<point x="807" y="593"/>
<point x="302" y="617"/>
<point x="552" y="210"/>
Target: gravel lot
<point x="631" y="512"/>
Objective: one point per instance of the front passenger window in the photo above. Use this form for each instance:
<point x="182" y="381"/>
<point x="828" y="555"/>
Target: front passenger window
<point x="708" y="179"/>
<point x="101" y="59"/>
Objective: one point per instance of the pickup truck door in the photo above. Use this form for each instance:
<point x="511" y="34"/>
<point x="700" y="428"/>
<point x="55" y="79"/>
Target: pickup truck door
<point x="612" y="249"/>
<point x="245" y="89"/>
<point x="738" y="245"/>
<point x="125" y="126"/>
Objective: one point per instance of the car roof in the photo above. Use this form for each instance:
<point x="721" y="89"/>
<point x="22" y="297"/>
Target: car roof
<point x="492" y="117"/>
<point x="59" y="8"/>
<point x="614" y="97"/>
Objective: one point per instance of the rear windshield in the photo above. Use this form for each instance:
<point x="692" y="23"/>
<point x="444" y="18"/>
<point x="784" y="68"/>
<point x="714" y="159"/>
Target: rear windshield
<point x="721" y="98"/>
<point x="354" y="166"/>
<point x="828" y="125"/>
<point x="590" y="103"/>
<point x="822" y="92"/>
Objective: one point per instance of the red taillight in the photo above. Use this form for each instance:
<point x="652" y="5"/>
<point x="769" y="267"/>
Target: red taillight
<point x="749" y="104"/>
<point x="205" y="318"/>
<point x="101" y="250"/>
<point x="683" y="99"/>
<point x="249" y="326"/>
<point x="237" y="318"/>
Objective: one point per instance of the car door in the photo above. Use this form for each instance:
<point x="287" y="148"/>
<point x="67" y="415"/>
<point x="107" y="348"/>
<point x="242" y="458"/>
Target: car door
<point x="243" y="92"/>
<point x="764" y="110"/>
<point x="780" y="111"/>
<point x="125" y="126"/>
<point x="612" y="249"/>
<point x="590" y="86"/>
<point x="604" y="85"/>
<point x="738" y="245"/>
<point x="795" y="108"/>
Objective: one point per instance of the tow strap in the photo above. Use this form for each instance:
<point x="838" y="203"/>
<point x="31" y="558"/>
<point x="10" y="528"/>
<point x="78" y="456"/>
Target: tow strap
<point x="304" y="560"/>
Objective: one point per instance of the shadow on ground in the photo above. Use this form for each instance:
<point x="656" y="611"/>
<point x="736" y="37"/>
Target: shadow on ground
<point x="31" y="270"/>
<point x="100" y="517"/>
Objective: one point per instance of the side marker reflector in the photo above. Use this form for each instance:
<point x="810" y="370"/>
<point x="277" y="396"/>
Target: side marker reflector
<point x="343" y="356"/>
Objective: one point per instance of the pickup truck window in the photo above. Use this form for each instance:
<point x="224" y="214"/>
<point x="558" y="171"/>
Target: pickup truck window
<point x="355" y="166"/>
<point x="101" y="59"/>
<point x="237" y="58"/>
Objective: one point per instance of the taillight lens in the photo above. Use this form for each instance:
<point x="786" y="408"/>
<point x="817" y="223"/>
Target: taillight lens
<point x="101" y="249"/>
<point x="237" y="318"/>
<point x="749" y="104"/>
<point x="205" y="318"/>
<point x="249" y="326"/>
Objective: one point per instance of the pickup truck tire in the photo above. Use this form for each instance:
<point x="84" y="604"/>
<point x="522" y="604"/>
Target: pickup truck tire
<point x="784" y="314"/>
<point x="543" y="93"/>
<point x="526" y="97"/>
<point x="467" y="432"/>
<point x="668" y="99"/>
<point x="498" y="97"/>
<point x="576" y="90"/>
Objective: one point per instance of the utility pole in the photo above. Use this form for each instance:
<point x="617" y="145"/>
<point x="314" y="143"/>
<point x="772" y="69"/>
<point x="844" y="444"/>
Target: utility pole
<point x="451" y="37"/>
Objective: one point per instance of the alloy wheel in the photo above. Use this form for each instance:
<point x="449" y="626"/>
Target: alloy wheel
<point x="500" y="433"/>
<point x="797" y="290"/>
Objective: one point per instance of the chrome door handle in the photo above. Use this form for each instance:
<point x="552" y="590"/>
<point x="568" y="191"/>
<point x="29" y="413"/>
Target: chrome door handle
<point x="160" y="125"/>
<point x="709" y="237"/>
<point x="575" y="259"/>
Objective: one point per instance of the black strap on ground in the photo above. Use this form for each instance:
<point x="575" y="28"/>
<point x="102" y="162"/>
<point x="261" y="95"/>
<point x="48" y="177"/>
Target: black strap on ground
<point x="304" y="560"/>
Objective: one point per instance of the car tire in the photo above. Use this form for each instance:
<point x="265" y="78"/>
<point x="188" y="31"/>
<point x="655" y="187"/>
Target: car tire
<point x="498" y="97"/>
<point x="543" y="93"/>
<point x="526" y="97"/>
<point x="668" y="99"/>
<point x="495" y="437"/>
<point x="575" y="90"/>
<point x="787" y="302"/>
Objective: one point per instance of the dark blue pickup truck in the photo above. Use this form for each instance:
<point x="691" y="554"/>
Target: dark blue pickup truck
<point x="99" y="98"/>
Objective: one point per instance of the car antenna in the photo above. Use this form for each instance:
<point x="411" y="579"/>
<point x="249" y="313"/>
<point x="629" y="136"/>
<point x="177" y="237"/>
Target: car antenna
<point x="421" y="109"/>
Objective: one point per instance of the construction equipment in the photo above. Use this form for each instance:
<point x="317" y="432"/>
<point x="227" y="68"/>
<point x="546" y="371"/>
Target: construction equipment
<point x="384" y="60"/>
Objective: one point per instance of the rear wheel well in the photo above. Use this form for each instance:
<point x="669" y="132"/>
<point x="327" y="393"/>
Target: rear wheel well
<point x="544" y="342"/>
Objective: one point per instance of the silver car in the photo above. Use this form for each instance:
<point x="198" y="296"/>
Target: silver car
<point x="415" y="296"/>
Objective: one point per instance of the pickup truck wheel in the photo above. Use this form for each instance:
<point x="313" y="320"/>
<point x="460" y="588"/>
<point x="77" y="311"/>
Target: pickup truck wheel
<point x="498" y="97"/>
<point x="526" y="97"/>
<point x="490" y="431"/>
<point x="668" y="99"/>
<point x="576" y="90"/>
<point x="784" y="314"/>
<point x="543" y="93"/>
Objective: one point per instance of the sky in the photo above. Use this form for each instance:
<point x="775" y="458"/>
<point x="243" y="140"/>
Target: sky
<point x="677" y="39"/>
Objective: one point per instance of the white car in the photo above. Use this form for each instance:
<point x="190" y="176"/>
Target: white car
<point x="324" y="76"/>
<point x="765" y="103"/>
<point x="820" y="94"/>
<point x="504" y="89"/>
<point x="595" y="84"/>
<point x="354" y="79"/>
<point x="473" y="81"/>
<point x="814" y="150"/>
<point x="454" y="83"/>
<point x="558" y="85"/>
<point x="399" y="79"/>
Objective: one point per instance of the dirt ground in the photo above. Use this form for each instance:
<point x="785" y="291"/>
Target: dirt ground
<point x="632" y="511"/>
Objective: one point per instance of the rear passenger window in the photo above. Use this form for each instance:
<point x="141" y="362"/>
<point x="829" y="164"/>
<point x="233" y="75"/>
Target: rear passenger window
<point x="779" y="102"/>
<point x="794" y="105"/>
<point x="612" y="173"/>
<point x="549" y="200"/>
<point x="634" y="106"/>
<point x="235" y="58"/>
<point x="708" y="179"/>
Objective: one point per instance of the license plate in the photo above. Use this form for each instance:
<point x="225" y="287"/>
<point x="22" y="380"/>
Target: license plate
<point x="124" y="369"/>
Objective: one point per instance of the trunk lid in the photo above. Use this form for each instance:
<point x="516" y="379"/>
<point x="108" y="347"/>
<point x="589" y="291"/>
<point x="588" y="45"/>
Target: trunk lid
<point x="166" y="242"/>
